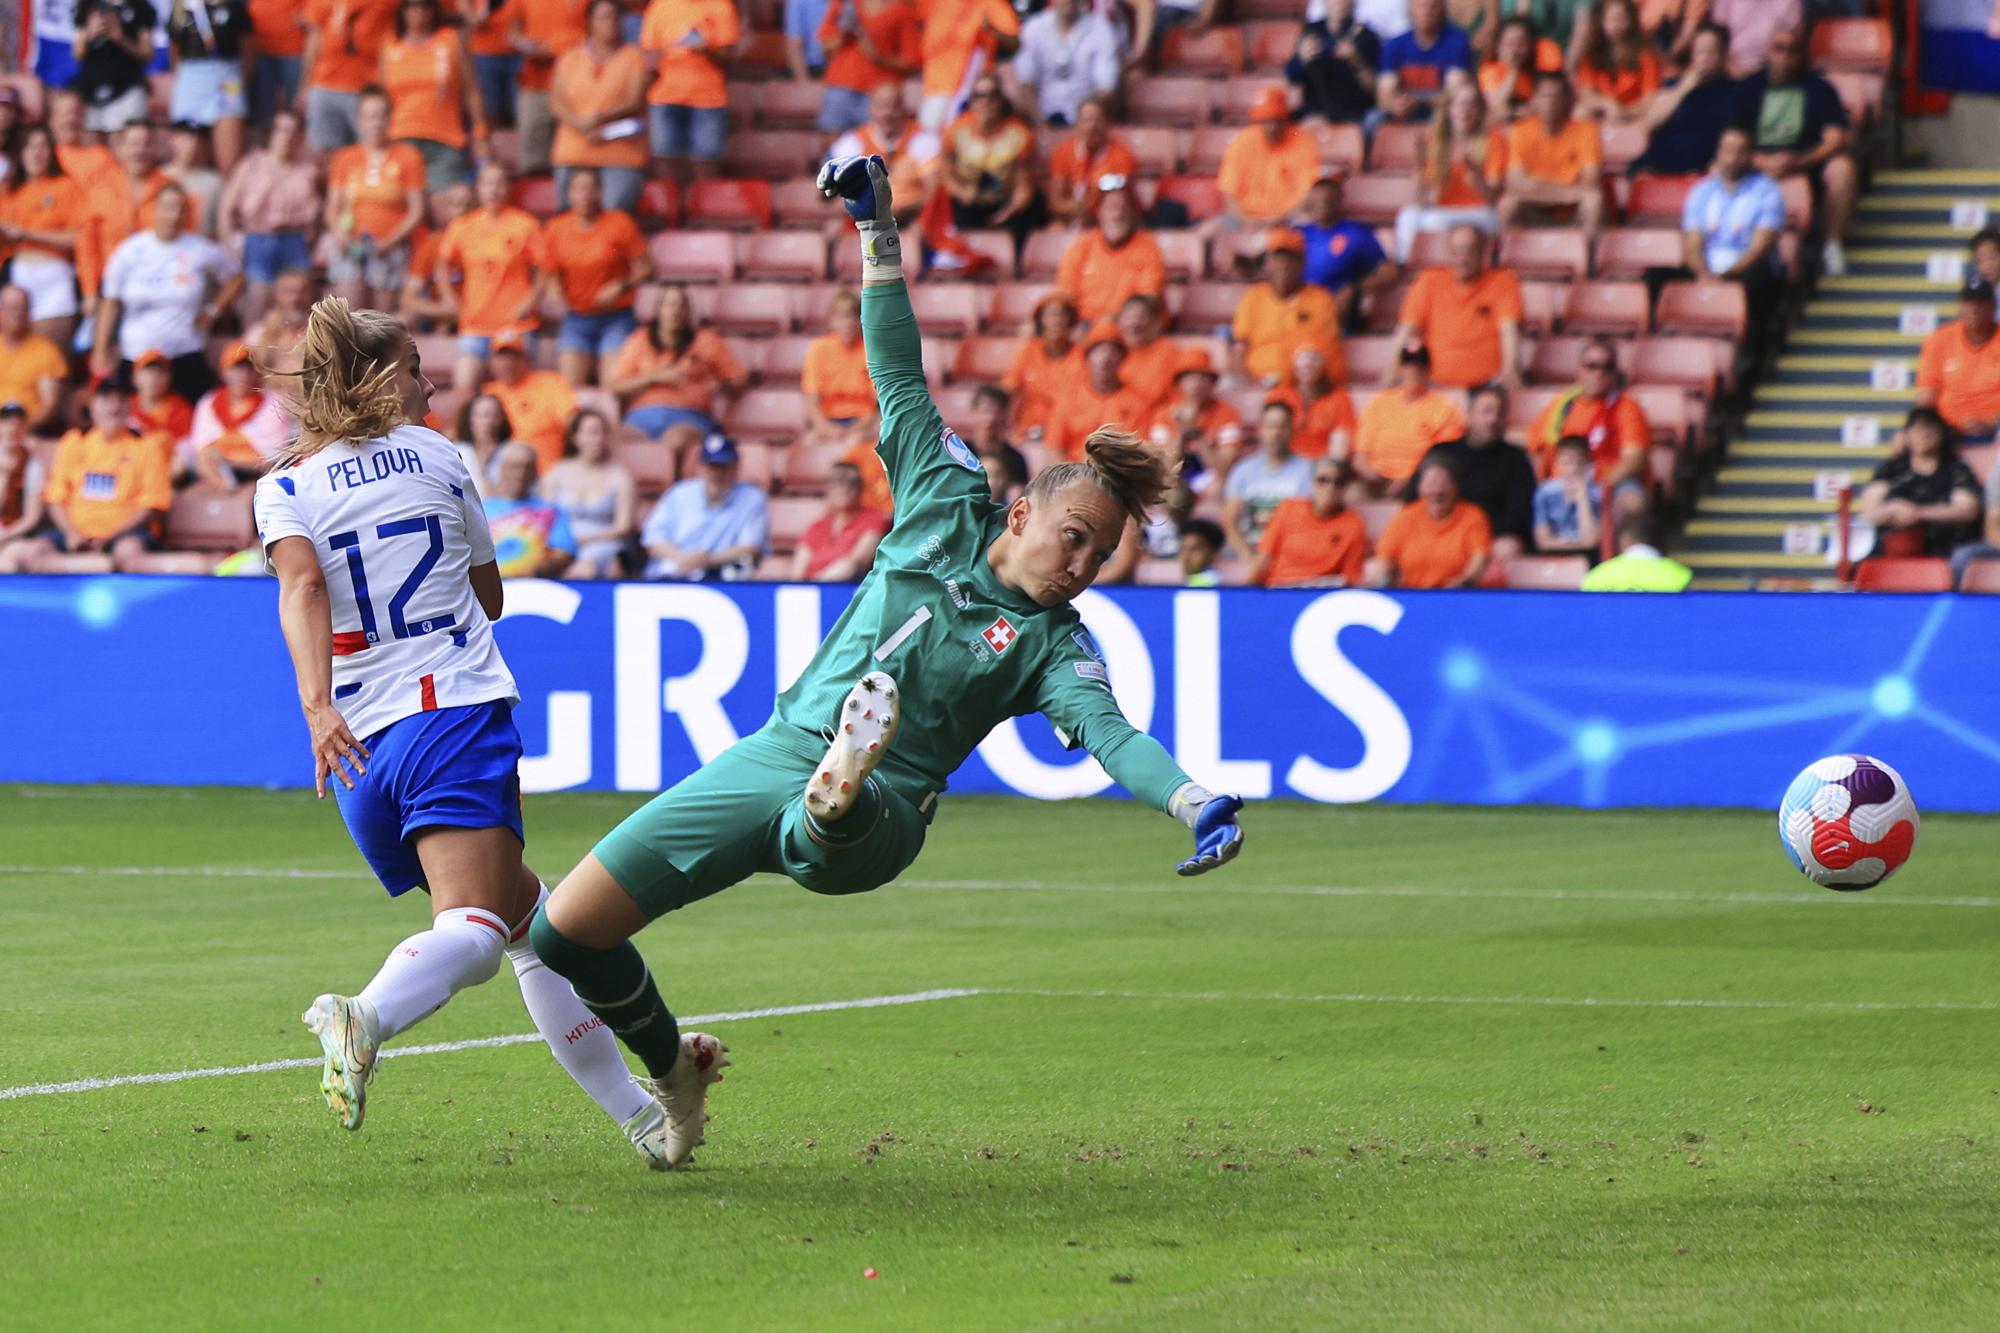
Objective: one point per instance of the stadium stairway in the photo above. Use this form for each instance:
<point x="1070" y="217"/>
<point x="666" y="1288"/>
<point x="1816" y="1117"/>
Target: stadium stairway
<point x="1839" y="392"/>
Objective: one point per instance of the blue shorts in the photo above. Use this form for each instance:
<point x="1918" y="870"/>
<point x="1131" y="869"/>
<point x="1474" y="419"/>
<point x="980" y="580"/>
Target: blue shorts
<point x="656" y="419"/>
<point x="266" y="254"/>
<point x="601" y="334"/>
<point x="842" y="109"/>
<point x="496" y="77"/>
<point x="274" y="83"/>
<point x="698" y="132"/>
<point x="480" y="346"/>
<point x="450" y="768"/>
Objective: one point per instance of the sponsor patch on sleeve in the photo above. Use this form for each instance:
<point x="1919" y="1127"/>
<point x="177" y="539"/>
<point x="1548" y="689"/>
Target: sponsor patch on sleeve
<point x="1093" y="671"/>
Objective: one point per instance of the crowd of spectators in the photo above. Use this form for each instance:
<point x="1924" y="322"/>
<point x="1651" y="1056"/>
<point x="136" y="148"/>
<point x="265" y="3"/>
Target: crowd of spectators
<point x="508" y="176"/>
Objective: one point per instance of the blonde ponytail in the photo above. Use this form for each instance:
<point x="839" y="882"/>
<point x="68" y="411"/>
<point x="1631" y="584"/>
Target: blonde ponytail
<point x="1134" y="474"/>
<point x="344" y="386"/>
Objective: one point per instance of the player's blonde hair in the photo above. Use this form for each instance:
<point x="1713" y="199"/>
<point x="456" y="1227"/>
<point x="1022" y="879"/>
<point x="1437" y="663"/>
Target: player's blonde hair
<point x="1119" y="463"/>
<point x="344" y="387"/>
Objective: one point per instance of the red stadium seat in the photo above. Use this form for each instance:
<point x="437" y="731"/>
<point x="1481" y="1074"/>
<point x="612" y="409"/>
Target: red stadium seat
<point x="780" y="104"/>
<point x="1158" y="148"/>
<point x="798" y="203"/>
<point x="1854" y="44"/>
<point x="787" y="518"/>
<point x="784" y="358"/>
<point x="205" y="519"/>
<point x="1656" y="201"/>
<point x="940" y="355"/>
<point x="693" y="256"/>
<point x="1545" y="252"/>
<point x="1524" y="405"/>
<point x="171" y="562"/>
<point x="738" y="205"/>
<point x="754" y="310"/>
<point x="60" y="562"/>
<point x="1272" y="43"/>
<point x="1559" y="572"/>
<point x="1907" y="574"/>
<point x="955" y="406"/>
<point x="1554" y="360"/>
<point x="1541" y="306"/>
<point x="1374" y="200"/>
<point x="1183" y="253"/>
<point x="1981" y="576"/>
<point x="983" y="360"/>
<point x="1181" y="102"/>
<point x="1375" y="516"/>
<point x="659" y="205"/>
<point x="1707" y="309"/>
<point x="783" y="256"/>
<point x="536" y="194"/>
<point x="774" y="155"/>
<point x="1427" y="250"/>
<point x="1205" y="147"/>
<point x="1624" y="141"/>
<point x="948" y="309"/>
<point x="1197" y="194"/>
<point x="1228" y="246"/>
<point x="1206" y="306"/>
<point x="1369" y="359"/>
<point x="997" y="248"/>
<point x="762" y="56"/>
<point x="1342" y="149"/>
<point x="1042" y="255"/>
<point x="1013" y="307"/>
<point x="1667" y="411"/>
<point x="650" y="462"/>
<point x="1627" y="252"/>
<point x="807" y="466"/>
<point x="772" y="416"/>
<point x="1688" y="363"/>
<point x="1620" y="308"/>
<point x="1216" y="53"/>
<point x="1398" y="147"/>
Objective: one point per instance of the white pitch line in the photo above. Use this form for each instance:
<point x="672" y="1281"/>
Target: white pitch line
<point x="1208" y="890"/>
<point x="1519" y="1001"/>
<point x="477" y="1043"/>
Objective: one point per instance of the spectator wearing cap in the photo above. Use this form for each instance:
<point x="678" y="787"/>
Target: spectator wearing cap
<point x="1923" y="498"/>
<point x="1100" y="398"/>
<point x="1802" y="131"/>
<point x="1608" y="420"/>
<point x="187" y="164"/>
<point x="433" y="97"/>
<point x="496" y="252"/>
<point x="1639" y="565"/>
<point x="841" y="406"/>
<point x="278" y="46"/>
<point x="343" y="49"/>
<point x="1322" y="413"/>
<point x="1335" y="65"/>
<point x="1112" y="262"/>
<point x="1555" y="164"/>
<point x="42" y="215"/>
<point x="1316" y="541"/>
<point x="1463" y="172"/>
<point x="1067" y="54"/>
<point x="840" y="545"/>
<point x="870" y="44"/>
<point x="107" y="491"/>
<point x="711" y="526"/>
<point x="1686" y="120"/>
<point x="1399" y="425"/>
<point x="1049" y="355"/>
<point x="531" y="537"/>
<point x="987" y="166"/>
<point x="688" y="104"/>
<point x="1086" y="164"/>
<point x="1520" y="55"/>
<point x="1260" y="481"/>
<point x="1438" y="540"/>
<point x="538" y="402"/>
<point x="158" y="412"/>
<point x="1569" y="506"/>
<point x="1468" y="314"/>
<point x="549" y="29"/>
<point x="597" y="96"/>
<point x="1268" y="166"/>
<point x="961" y="40"/>
<point x="986" y="431"/>
<point x="595" y="262"/>
<point x="112" y="48"/>
<point x="1341" y="255"/>
<point x="671" y="373"/>
<point x="1958" y="371"/>
<point x="1151" y="361"/>
<point x="208" y="44"/>
<point x="1281" y="314"/>
<point x="272" y="200"/>
<point x="1731" y="222"/>
<point x="598" y="494"/>
<point x="1419" y="65"/>
<point x="163" y="289"/>
<point x="240" y="427"/>
<point x="33" y="369"/>
<point x="1195" y="425"/>
<point x="1492" y="473"/>
<point x="374" y="204"/>
<point x="909" y="150"/>
<point x="22" y="477"/>
<point x="120" y="203"/>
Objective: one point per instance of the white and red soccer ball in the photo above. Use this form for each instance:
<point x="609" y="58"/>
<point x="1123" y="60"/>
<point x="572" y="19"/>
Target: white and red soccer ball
<point x="1848" y="822"/>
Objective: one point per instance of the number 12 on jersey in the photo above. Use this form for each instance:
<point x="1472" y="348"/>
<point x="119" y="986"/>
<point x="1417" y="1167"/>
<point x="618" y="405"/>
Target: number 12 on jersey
<point x="399" y="625"/>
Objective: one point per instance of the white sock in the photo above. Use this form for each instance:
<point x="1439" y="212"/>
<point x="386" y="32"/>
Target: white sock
<point x="462" y="948"/>
<point x="577" y="1038"/>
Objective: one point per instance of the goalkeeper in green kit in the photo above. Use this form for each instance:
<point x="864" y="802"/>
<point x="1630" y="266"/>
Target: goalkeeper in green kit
<point x="964" y="622"/>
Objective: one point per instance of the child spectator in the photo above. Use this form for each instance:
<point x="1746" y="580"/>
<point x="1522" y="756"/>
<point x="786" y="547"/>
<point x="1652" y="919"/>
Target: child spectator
<point x="539" y="403"/>
<point x="496" y="251"/>
<point x="840" y="397"/>
<point x="671" y="372"/>
<point x="1315" y="541"/>
<point x="711" y="526"/>
<point x="1081" y="165"/>
<point x="599" y="496"/>
<point x="689" y="100"/>
<point x="239" y="428"/>
<point x="1268" y="166"/>
<point x="1108" y="265"/>
<point x="596" y="262"/>
<point x="1201" y="546"/>
<point x="869" y="44"/>
<point x="1402" y="423"/>
<point x="1322" y="413"/>
<point x="374" y="202"/>
<point x="107" y="491"/>
<point x="1438" y="540"/>
<point x="840" y="545"/>
<point x="1609" y="421"/>
<point x="531" y="538"/>
<point x="1049" y="355"/>
<point x="1281" y="314"/>
<point x="1258" y="482"/>
<point x="1464" y="170"/>
<point x="1570" y="504"/>
<point x="427" y="73"/>
<point x="1468" y="315"/>
<point x="1336" y="64"/>
<point x="597" y="96"/>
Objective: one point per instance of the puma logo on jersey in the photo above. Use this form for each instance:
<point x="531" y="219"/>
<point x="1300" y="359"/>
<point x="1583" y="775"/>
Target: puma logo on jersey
<point x="998" y="635"/>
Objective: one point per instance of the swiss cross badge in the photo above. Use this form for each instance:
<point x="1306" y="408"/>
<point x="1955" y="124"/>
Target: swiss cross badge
<point x="998" y="635"/>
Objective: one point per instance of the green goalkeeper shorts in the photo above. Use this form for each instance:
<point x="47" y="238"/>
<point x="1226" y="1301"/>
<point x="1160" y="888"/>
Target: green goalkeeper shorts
<point x="743" y="812"/>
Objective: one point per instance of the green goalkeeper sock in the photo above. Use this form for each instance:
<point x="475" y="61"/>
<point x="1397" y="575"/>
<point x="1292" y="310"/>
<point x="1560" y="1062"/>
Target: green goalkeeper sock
<point x="615" y="985"/>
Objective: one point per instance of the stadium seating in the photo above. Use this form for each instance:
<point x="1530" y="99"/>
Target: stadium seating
<point x="1714" y="309"/>
<point x="1903" y="574"/>
<point x="203" y="519"/>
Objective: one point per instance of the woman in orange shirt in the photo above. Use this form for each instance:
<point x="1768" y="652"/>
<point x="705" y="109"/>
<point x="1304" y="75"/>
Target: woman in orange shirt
<point x="689" y="100"/>
<point x="1519" y="53"/>
<point x="427" y="73"/>
<point x="670" y="373"/>
<point x="1617" y="73"/>
<point x="989" y="163"/>
<point x="487" y="266"/>
<point x="596" y="261"/>
<point x="599" y="90"/>
<point x="1322" y="413"/>
<point x="1049" y="353"/>
<point x="374" y="201"/>
<point x="868" y="43"/>
<point x="1465" y="164"/>
<point x="41" y="217"/>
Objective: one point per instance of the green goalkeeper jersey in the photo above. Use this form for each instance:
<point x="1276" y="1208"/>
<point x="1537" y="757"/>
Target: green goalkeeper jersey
<point x="966" y="652"/>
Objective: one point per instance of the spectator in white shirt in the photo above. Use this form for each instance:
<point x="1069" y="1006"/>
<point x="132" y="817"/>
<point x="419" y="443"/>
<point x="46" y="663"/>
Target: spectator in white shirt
<point x="163" y="288"/>
<point x="1066" y="56"/>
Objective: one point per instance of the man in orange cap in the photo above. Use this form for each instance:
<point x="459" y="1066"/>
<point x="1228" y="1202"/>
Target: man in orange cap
<point x="1193" y="423"/>
<point x="538" y="402"/>
<point x="1268" y="166"/>
<point x="1282" y="314"/>
<point x="1102" y="398"/>
<point x="238" y="427"/>
<point x="1108" y="265"/>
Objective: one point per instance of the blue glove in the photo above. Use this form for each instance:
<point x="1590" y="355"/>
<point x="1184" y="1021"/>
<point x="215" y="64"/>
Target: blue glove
<point x="862" y="183"/>
<point x="1217" y="836"/>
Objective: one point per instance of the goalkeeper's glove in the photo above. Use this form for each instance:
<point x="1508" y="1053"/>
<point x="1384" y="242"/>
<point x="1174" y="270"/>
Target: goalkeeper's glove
<point x="1217" y="835"/>
<point x="862" y="185"/>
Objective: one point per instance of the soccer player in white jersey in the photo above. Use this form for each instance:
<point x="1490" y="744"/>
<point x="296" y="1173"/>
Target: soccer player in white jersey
<point x="387" y="595"/>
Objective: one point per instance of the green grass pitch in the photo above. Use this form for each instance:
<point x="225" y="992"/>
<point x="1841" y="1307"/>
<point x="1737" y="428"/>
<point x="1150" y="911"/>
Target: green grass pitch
<point x="1350" y="1082"/>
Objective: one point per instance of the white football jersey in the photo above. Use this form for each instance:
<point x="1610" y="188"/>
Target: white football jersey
<point x="397" y="524"/>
